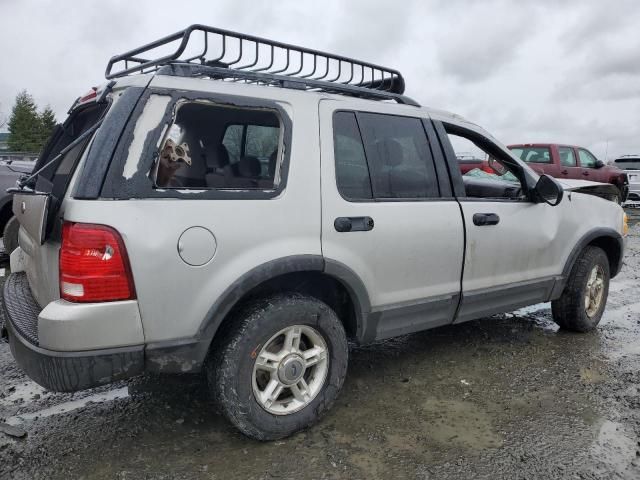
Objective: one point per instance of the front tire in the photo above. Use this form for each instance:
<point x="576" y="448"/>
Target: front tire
<point x="280" y="366"/>
<point x="582" y="303"/>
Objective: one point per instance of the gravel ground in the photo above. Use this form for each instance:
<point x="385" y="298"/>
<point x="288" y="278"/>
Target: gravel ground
<point x="509" y="396"/>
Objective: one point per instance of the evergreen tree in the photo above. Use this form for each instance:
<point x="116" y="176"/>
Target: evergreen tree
<point x="24" y="125"/>
<point x="47" y="124"/>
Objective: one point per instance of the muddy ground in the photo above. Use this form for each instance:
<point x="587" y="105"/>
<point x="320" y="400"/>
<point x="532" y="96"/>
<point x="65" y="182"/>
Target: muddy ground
<point x="505" y="397"/>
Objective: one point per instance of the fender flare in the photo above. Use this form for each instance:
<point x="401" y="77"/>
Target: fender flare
<point x="585" y="240"/>
<point x="274" y="268"/>
<point x="188" y="355"/>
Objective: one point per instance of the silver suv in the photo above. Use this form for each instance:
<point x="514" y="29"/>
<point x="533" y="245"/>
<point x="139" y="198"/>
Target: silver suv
<point x="249" y="207"/>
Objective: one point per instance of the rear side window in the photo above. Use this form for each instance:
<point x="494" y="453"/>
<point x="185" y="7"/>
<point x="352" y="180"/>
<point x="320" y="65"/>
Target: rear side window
<point x="533" y="154"/>
<point x="352" y="172"/>
<point x="398" y="155"/>
<point x="567" y="156"/>
<point x="382" y="157"/>
<point x="209" y="146"/>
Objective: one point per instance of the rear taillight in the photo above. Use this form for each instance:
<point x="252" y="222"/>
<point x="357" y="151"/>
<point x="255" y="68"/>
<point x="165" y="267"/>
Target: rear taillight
<point x="94" y="266"/>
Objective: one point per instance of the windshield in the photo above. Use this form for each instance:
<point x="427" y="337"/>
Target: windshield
<point x="532" y="154"/>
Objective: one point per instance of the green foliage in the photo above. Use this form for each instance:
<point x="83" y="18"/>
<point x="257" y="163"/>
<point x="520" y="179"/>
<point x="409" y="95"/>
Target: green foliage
<point x="28" y="129"/>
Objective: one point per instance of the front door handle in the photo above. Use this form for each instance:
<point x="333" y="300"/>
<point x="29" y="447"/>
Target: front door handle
<point x="586" y="174"/>
<point x="353" y="224"/>
<point x="481" y="219"/>
<point x="564" y="172"/>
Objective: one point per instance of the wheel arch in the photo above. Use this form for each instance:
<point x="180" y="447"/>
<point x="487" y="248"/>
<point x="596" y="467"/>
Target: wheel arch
<point x="331" y="282"/>
<point x="608" y="240"/>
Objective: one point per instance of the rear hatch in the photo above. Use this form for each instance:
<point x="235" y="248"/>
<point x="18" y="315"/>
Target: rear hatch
<point x="632" y="167"/>
<point x="37" y="204"/>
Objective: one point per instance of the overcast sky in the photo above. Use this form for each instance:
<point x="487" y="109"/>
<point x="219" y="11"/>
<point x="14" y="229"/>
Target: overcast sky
<point x="526" y="71"/>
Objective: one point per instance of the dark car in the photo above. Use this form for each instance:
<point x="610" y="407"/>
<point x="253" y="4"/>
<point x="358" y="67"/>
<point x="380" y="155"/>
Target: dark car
<point x="11" y="170"/>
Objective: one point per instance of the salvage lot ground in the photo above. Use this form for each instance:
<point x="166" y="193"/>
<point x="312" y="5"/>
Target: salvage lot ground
<point x="506" y="397"/>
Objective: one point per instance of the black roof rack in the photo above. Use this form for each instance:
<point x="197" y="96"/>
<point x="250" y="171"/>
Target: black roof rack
<point x="232" y="56"/>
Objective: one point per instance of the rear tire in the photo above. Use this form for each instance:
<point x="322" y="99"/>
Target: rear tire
<point x="10" y="235"/>
<point x="582" y="303"/>
<point x="259" y="372"/>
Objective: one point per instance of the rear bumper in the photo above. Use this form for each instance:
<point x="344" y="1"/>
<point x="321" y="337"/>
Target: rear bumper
<point x="62" y="371"/>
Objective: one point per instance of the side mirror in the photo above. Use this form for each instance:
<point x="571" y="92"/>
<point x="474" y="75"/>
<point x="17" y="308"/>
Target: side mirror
<point x="496" y="166"/>
<point x="548" y="190"/>
<point x="599" y="164"/>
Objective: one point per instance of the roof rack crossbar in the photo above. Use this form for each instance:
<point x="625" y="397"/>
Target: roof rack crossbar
<point x="237" y="51"/>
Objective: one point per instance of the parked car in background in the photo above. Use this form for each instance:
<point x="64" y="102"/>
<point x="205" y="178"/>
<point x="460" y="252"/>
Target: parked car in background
<point x="469" y="162"/>
<point x="10" y="172"/>
<point x="571" y="162"/>
<point x="631" y="165"/>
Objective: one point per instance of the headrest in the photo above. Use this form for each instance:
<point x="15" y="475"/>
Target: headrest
<point x="222" y="156"/>
<point x="392" y="151"/>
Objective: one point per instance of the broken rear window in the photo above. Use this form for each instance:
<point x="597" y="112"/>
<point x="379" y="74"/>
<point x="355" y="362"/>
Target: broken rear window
<point x="210" y="146"/>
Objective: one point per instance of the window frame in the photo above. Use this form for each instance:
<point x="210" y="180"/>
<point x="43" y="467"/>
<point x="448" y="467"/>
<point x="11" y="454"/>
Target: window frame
<point x="140" y="185"/>
<point x="526" y="181"/>
<point x="429" y="137"/>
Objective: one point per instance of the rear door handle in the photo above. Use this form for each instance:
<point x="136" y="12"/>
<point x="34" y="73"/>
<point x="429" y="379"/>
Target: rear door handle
<point x="481" y="219"/>
<point x="353" y="224"/>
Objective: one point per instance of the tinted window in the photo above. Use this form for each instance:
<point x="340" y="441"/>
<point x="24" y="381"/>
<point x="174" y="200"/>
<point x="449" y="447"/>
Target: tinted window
<point x="532" y="154"/>
<point x="352" y="173"/>
<point x="586" y="159"/>
<point x="567" y="156"/>
<point x="630" y="163"/>
<point x="214" y="147"/>
<point x="398" y="155"/>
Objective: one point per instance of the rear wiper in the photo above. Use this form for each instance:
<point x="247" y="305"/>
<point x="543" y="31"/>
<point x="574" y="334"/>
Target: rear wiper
<point x="20" y="184"/>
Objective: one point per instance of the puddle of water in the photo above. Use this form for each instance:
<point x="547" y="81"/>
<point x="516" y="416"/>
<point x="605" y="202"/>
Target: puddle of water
<point x="614" y="448"/>
<point x="24" y="392"/>
<point x="459" y="423"/>
<point x="70" y="406"/>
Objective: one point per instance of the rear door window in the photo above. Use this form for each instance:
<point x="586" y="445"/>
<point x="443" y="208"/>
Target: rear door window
<point x="352" y="171"/>
<point x="398" y="156"/>
<point x="567" y="156"/>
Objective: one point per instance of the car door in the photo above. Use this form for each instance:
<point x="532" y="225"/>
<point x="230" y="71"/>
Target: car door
<point x="568" y="163"/>
<point x="385" y="219"/>
<point x="514" y="247"/>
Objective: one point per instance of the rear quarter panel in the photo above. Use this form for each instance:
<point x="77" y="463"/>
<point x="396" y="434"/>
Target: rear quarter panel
<point x="174" y="297"/>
